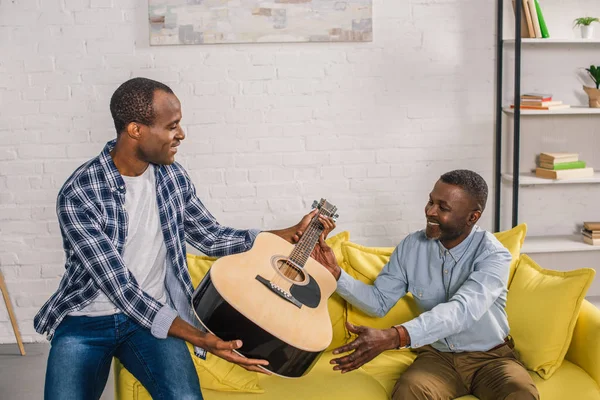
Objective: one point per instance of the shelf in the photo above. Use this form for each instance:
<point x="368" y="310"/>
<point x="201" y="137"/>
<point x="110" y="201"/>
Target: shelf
<point x="528" y="179"/>
<point x="556" y="244"/>
<point x="554" y="41"/>
<point x="574" y="110"/>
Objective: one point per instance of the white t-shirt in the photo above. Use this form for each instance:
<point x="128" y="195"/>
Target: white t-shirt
<point x="145" y="251"/>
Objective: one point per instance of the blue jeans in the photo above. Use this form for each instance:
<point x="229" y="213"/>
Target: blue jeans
<point x="82" y="349"/>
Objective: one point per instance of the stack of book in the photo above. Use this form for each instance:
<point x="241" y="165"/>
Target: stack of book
<point x="533" y="24"/>
<point x="540" y="101"/>
<point x="591" y="233"/>
<point x="562" y="166"/>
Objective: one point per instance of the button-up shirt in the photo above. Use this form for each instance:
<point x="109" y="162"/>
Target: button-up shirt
<point x="93" y="222"/>
<point x="462" y="291"/>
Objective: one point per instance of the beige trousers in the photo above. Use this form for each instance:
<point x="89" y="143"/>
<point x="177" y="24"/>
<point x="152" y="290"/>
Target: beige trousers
<point x="494" y="374"/>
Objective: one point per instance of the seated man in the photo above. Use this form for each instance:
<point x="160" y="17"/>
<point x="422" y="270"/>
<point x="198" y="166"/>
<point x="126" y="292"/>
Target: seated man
<point x="457" y="273"/>
<point x="125" y="217"/>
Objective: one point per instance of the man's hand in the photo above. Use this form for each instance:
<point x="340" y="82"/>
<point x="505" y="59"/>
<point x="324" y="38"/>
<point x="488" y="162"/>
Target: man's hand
<point x="224" y="350"/>
<point x="211" y="343"/>
<point x="325" y="256"/>
<point x="294" y="233"/>
<point x="368" y="345"/>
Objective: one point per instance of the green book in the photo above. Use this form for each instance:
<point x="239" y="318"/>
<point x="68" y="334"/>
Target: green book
<point x="562" y="166"/>
<point x="543" y="26"/>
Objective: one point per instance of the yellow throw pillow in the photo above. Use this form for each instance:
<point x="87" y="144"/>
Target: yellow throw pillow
<point x="513" y="240"/>
<point x="365" y="263"/>
<point x="542" y="308"/>
<point x="336" y="305"/>
<point x="198" y="266"/>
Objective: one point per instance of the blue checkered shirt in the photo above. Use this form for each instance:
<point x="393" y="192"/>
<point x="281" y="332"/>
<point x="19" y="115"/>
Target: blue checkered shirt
<point x="93" y="222"/>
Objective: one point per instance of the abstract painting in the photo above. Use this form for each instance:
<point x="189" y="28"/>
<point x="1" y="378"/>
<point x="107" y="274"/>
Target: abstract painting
<point x="174" y="22"/>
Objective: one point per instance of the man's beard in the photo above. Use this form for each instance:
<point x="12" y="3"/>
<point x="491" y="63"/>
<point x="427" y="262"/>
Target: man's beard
<point x="442" y="232"/>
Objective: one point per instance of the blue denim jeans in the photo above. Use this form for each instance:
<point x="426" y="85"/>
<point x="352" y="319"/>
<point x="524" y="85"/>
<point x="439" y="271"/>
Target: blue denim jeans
<point x="82" y="349"/>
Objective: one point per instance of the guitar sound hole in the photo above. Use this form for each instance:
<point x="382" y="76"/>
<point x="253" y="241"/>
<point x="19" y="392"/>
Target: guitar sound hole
<point x="290" y="271"/>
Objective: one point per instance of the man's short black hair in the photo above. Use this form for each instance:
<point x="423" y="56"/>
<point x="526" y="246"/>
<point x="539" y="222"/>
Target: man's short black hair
<point x="471" y="182"/>
<point x="132" y="102"/>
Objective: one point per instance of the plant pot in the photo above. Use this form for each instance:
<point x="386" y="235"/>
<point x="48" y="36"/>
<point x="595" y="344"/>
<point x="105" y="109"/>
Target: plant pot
<point x="594" y="95"/>
<point x="587" y="31"/>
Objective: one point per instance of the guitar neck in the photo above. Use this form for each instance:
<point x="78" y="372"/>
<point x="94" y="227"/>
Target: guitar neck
<point x="307" y="242"/>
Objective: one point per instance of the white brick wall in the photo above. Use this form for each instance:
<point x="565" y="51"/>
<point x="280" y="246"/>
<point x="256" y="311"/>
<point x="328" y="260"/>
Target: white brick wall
<point x="270" y="127"/>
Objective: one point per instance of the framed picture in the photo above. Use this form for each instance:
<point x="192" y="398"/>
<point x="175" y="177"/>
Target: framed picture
<point x="175" y="22"/>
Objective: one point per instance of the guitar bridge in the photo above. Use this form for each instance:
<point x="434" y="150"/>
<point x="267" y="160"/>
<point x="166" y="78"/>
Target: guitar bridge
<point x="279" y="291"/>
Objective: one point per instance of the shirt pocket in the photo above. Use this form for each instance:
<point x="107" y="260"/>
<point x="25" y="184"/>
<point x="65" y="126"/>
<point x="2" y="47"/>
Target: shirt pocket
<point x="427" y="296"/>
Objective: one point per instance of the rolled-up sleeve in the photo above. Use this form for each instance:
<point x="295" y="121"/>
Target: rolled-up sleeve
<point x="377" y="299"/>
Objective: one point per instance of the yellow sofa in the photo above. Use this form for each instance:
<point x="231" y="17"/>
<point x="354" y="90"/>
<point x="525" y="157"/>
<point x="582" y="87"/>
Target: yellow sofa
<point x="575" y="377"/>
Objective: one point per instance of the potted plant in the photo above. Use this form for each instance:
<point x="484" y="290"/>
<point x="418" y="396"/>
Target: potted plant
<point x="594" y="93"/>
<point x="587" y="30"/>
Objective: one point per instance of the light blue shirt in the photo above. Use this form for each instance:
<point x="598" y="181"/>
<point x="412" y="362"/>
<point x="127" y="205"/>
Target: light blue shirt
<point x="462" y="291"/>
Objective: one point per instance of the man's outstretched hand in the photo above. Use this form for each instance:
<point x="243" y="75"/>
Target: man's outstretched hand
<point x="225" y="350"/>
<point x="211" y="343"/>
<point x="369" y="344"/>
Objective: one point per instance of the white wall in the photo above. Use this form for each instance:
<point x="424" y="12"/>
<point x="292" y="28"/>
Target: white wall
<point x="270" y="127"/>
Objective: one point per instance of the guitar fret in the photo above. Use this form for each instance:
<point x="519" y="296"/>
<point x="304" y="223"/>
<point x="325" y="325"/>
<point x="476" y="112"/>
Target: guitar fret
<point x="302" y="250"/>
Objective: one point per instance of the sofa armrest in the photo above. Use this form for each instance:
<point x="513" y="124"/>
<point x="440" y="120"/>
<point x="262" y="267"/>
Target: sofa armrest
<point x="585" y="345"/>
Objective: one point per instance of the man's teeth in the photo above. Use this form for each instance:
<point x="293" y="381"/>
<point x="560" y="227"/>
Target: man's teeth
<point x="432" y="223"/>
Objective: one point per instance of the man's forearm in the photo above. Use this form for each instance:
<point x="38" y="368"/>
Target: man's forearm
<point x="286" y="234"/>
<point x="182" y="330"/>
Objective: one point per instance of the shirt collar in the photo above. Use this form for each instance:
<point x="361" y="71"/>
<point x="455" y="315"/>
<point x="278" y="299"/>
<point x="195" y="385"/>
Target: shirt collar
<point x="457" y="252"/>
<point x="115" y="180"/>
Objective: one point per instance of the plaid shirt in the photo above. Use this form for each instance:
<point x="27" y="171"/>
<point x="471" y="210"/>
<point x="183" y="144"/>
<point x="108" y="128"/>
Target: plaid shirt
<point x="93" y="222"/>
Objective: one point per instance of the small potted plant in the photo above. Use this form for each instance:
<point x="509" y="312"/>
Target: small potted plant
<point x="587" y="30"/>
<point x="594" y="93"/>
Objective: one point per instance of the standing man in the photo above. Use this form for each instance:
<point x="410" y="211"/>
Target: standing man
<point x="125" y="217"/>
<point x="457" y="273"/>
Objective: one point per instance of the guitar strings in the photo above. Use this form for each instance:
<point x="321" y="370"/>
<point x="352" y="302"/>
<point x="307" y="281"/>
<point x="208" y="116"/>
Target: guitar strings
<point x="303" y="248"/>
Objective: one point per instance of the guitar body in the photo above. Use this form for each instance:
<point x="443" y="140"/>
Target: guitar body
<point x="282" y="319"/>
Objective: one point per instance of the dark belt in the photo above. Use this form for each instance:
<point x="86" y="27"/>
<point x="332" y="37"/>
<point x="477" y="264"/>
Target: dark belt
<point x="507" y="341"/>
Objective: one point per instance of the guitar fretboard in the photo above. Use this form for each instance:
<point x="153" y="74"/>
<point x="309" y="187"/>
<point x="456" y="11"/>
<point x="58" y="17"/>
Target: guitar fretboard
<point x="307" y="242"/>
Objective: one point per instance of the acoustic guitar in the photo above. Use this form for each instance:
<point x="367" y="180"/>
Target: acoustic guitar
<point x="272" y="297"/>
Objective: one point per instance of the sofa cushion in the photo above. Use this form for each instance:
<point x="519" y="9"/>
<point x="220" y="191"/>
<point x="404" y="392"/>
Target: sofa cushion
<point x="542" y="308"/>
<point x="365" y="263"/>
<point x="513" y="240"/>
<point x="569" y="381"/>
<point x="322" y="382"/>
<point x="198" y="266"/>
<point x="218" y="374"/>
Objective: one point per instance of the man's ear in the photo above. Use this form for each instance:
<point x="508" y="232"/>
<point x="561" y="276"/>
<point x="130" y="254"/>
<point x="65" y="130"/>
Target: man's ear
<point x="474" y="217"/>
<point x="133" y="130"/>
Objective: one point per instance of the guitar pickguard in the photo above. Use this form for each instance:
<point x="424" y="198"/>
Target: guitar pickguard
<point x="309" y="294"/>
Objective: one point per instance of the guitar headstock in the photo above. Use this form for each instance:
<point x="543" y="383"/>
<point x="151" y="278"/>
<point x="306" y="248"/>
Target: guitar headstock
<point x="326" y="208"/>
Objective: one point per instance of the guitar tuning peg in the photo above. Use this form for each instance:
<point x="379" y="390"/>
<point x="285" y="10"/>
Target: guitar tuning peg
<point x="335" y="217"/>
<point x="315" y="204"/>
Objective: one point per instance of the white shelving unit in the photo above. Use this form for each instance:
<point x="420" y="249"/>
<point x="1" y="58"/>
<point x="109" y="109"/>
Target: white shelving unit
<point x="529" y="179"/>
<point x="574" y="110"/>
<point x="556" y="244"/>
<point x="554" y="41"/>
<point x="550" y="243"/>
